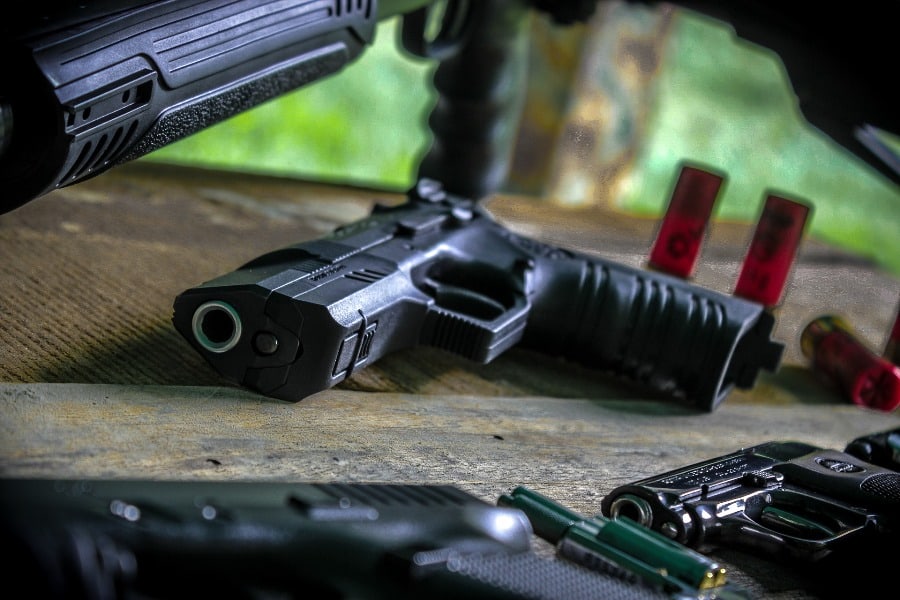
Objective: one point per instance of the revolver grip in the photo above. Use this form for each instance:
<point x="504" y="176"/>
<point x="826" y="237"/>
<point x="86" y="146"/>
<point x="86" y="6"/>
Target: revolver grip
<point x="663" y="332"/>
<point x="845" y="477"/>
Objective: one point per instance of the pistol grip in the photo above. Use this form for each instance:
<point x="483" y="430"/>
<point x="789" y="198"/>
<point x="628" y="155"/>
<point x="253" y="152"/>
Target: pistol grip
<point x="481" y="85"/>
<point x="671" y="335"/>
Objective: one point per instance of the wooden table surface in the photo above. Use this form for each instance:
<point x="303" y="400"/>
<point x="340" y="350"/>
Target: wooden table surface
<point x="97" y="384"/>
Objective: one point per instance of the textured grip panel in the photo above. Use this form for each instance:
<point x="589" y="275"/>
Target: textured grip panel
<point x="400" y="495"/>
<point x="481" y="90"/>
<point x="657" y="330"/>
<point x="885" y="486"/>
<point x="191" y="118"/>
<point x="122" y="84"/>
<point x="527" y="575"/>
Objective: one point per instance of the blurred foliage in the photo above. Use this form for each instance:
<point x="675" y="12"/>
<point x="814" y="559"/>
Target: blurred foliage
<point x="719" y="102"/>
<point x="726" y="103"/>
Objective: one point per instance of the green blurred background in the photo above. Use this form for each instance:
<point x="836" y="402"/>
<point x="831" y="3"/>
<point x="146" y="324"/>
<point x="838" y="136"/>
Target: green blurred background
<point x="715" y="101"/>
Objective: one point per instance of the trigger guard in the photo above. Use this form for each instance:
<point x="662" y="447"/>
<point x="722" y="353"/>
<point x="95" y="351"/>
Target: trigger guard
<point x="473" y="338"/>
<point x="752" y="533"/>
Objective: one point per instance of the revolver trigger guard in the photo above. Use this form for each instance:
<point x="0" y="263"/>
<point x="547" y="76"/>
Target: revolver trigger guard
<point x="798" y="525"/>
<point x="750" y="532"/>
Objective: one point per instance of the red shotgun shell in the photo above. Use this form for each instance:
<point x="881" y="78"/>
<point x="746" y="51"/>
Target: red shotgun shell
<point x="865" y="378"/>
<point x="681" y="232"/>
<point x="772" y="250"/>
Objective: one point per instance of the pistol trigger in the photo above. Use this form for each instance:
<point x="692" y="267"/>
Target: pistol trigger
<point x="467" y="302"/>
<point x="793" y="524"/>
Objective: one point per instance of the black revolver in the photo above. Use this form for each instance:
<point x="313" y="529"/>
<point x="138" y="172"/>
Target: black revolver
<point x="783" y="499"/>
<point x="439" y="271"/>
<point x="129" y="539"/>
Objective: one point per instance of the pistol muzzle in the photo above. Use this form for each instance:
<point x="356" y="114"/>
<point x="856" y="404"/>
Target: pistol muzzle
<point x="216" y="326"/>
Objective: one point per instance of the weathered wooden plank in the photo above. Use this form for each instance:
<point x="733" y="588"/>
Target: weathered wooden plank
<point x="576" y="447"/>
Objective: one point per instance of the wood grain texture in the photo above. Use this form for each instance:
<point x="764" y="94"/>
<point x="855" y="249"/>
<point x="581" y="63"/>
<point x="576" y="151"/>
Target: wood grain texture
<point x="576" y="449"/>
